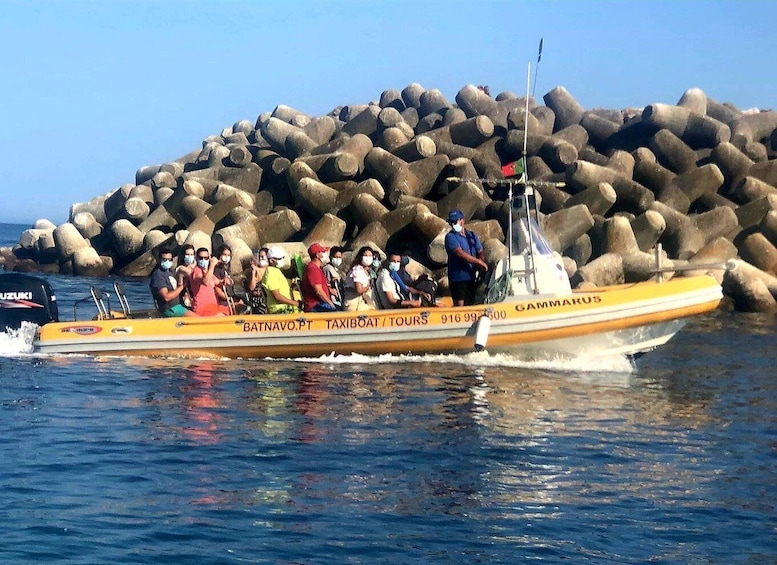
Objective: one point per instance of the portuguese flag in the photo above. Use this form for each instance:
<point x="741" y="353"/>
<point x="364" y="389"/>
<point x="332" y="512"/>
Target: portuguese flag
<point x="514" y="169"/>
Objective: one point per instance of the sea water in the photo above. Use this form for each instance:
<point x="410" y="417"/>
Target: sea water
<point x="392" y="459"/>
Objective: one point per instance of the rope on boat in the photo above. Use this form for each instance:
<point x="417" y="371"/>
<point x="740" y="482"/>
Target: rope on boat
<point x="499" y="290"/>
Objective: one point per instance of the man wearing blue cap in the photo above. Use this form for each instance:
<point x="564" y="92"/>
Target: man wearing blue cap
<point x="465" y="260"/>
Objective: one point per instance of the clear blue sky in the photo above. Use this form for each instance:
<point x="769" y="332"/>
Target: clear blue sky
<point x="93" y="90"/>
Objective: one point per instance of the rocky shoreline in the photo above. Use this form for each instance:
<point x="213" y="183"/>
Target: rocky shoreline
<point x="698" y="177"/>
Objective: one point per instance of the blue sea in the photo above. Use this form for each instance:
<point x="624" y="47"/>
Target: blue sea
<point x="463" y="459"/>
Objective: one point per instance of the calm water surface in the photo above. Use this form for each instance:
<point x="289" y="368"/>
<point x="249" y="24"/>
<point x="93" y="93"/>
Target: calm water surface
<point x="470" y="459"/>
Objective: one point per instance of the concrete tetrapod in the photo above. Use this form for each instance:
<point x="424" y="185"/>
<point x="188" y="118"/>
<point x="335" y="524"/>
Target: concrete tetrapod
<point x="751" y="289"/>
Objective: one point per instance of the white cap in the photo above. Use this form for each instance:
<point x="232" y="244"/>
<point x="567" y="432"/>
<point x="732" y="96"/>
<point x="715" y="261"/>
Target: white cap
<point x="276" y="253"/>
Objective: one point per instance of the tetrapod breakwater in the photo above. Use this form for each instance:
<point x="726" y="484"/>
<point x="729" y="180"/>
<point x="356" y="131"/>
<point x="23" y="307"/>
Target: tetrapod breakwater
<point x="698" y="177"/>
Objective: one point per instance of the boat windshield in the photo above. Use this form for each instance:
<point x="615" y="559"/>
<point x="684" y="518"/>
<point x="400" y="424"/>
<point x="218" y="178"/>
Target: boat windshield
<point x="521" y="228"/>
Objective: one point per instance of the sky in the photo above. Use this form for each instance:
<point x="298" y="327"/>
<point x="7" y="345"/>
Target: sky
<point x="93" y="90"/>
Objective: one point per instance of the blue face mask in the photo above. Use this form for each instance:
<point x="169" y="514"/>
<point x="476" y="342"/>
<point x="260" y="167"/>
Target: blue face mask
<point x="376" y="263"/>
<point x="457" y="228"/>
<point x="394" y="265"/>
<point x="203" y="263"/>
<point x="188" y="259"/>
<point x="166" y="265"/>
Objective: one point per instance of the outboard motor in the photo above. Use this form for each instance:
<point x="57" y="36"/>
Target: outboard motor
<point x="24" y="298"/>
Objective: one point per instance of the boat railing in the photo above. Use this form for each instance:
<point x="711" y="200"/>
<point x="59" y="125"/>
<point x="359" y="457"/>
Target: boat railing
<point x="101" y="300"/>
<point x="660" y="269"/>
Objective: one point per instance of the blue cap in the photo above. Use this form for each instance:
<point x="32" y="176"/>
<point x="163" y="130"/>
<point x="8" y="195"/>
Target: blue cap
<point x="455" y="216"/>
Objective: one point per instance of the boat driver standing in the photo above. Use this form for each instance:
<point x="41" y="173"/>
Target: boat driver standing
<point x="465" y="260"/>
<point x="166" y="288"/>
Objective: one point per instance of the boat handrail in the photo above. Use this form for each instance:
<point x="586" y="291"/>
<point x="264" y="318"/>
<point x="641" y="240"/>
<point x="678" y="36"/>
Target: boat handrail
<point x="659" y="269"/>
<point x="101" y="300"/>
<point x="727" y="266"/>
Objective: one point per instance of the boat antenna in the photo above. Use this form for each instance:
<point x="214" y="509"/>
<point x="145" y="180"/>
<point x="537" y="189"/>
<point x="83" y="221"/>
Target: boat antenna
<point x="537" y="68"/>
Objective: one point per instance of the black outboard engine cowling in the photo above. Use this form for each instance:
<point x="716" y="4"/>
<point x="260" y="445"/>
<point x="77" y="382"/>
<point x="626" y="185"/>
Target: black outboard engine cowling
<point x="24" y="298"/>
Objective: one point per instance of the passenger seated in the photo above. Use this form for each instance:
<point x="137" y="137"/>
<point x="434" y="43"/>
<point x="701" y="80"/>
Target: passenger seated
<point x="256" y="297"/>
<point x="224" y="284"/>
<point x="426" y="287"/>
<point x="186" y="262"/>
<point x="279" y="300"/>
<point x="392" y="291"/>
<point x="203" y="282"/>
<point x="315" y="287"/>
<point x="405" y="253"/>
<point x="166" y="288"/>
<point x="335" y="276"/>
<point x="359" y="290"/>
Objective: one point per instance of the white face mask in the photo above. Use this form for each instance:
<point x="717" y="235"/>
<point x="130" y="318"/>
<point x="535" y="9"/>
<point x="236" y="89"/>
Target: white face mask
<point x="394" y="265"/>
<point x="366" y="260"/>
<point x="280" y="263"/>
<point x="337" y="261"/>
<point x="263" y="262"/>
<point x="376" y="263"/>
<point x="325" y="258"/>
<point x="225" y="259"/>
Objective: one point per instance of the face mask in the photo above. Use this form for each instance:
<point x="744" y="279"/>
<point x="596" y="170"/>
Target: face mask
<point x="225" y="259"/>
<point x="203" y="263"/>
<point x="405" y="260"/>
<point x="457" y="228"/>
<point x="394" y="265"/>
<point x="280" y="263"/>
<point x="376" y="263"/>
<point x="366" y="260"/>
<point x="337" y="261"/>
<point x="188" y="259"/>
<point x="325" y="258"/>
<point x="263" y="262"/>
<point x="166" y="264"/>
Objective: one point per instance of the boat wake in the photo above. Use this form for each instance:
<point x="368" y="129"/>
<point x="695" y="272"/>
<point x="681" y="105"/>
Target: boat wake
<point x="17" y="342"/>
<point x="580" y="364"/>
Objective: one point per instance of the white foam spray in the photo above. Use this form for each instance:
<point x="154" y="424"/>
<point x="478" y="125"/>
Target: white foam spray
<point x="578" y="364"/>
<point x="17" y="342"/>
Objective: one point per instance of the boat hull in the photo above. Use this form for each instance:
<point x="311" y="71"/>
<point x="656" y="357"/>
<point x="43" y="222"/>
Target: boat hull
<point x="625" y="319"/>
